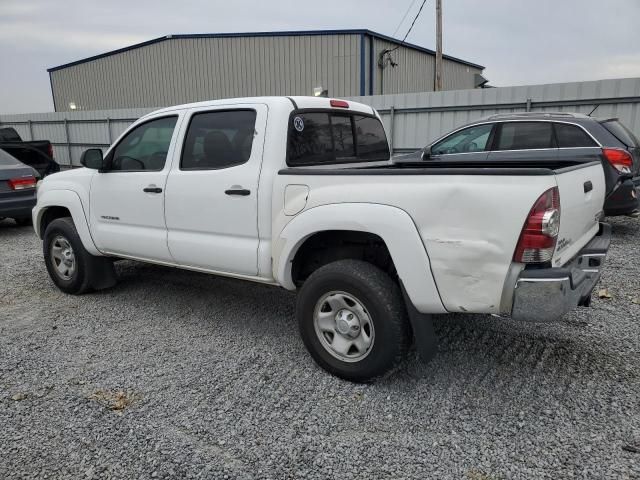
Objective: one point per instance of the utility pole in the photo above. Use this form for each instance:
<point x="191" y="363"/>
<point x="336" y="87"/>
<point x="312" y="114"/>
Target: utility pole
<point x="438" y="85"/>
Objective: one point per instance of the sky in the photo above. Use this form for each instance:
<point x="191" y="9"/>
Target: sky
<point x="519" y="42"/>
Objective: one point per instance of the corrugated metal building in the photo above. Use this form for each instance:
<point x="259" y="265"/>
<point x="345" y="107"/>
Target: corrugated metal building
<point x="186" y="68"/>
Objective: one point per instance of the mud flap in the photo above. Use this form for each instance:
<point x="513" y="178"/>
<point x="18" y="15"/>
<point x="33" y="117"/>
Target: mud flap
<point x="103" y="274"/>
<point x="423" y="331"/>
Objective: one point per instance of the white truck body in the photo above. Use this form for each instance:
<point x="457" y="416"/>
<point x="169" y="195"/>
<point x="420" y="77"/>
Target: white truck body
<point x="450" y="232"/>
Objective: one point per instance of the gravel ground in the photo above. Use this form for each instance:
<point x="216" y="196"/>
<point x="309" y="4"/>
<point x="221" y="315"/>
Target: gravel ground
<point x="174" y="374"/>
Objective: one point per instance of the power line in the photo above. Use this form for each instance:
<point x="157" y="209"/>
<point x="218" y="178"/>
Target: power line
<point x="410" y="28"/>
<point x="403" y="17"/>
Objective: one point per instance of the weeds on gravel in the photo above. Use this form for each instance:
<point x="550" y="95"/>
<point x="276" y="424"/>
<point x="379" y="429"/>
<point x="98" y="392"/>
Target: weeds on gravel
<point x="114" y="400"/>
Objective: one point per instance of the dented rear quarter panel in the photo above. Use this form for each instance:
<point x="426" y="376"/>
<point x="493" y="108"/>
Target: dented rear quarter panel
<point x="469" y="224"/>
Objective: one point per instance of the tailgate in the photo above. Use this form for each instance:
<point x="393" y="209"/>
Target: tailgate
<point x="582" y="191"/>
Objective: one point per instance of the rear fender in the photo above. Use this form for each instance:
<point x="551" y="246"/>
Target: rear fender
<point x="71" y="201"/>
<point x="393" y="225"/>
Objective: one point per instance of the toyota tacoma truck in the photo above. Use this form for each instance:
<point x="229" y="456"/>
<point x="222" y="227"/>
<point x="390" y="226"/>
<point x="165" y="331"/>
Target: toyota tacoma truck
<point x="300" y="192"/>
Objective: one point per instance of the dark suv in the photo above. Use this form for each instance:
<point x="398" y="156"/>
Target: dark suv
<point x="548" y="137"/>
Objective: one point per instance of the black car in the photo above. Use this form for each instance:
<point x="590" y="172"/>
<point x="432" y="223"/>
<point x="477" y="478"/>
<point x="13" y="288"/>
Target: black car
<point x="36" y="153"/>
<point x="521" y="138"/>
<point x="17" y="189"/>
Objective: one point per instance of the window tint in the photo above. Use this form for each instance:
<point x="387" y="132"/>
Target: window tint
<point x="145" y="147"/>
<point x="472" y="139"/>
<point x="6" y="159"/>
<point x="372" y="141"/>
<point x="525" y="135"/>
<point x="323" y="137"/>
<point x="343" y="136"/>
<point x="218" y="139"/>
<point x="622" y="133"/>
<point x="571" y="136"/>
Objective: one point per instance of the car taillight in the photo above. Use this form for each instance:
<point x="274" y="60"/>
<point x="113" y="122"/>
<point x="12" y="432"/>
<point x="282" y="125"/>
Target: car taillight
<point x="339" y="103"/>
<point x="50" y="150"/>
<point x="22" y="183"/>
<point x="619" y="158"/>
<point x="540" y="232"/>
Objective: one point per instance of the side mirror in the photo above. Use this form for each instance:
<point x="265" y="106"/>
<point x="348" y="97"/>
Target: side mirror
<point x="426" y="153"/>
<point x="92" y="158"/>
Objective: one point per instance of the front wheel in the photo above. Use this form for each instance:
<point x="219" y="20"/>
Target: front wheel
<point x="70" y="266"/>
<point x="353" y="320"/>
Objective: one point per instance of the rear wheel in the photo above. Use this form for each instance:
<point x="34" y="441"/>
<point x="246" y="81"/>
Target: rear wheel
<point x="70" y="266"/>
<point x="353" y="320"/>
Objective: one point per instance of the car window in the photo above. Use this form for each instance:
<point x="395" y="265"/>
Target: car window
<point x="218" y="139"/>
<point x="622" y="133"/>
<point x="327" y="137"/>
<point x="371" y="139"/>
<point x="570" y="136"/>
<point x="145" y="147"/>
<point x="472" y="139"/>
<point x="525" y="135"/>
<point x="6" y="159"/>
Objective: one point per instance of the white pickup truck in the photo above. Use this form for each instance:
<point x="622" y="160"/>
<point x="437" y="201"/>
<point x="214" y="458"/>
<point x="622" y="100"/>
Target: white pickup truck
<point x="300" y="192"/>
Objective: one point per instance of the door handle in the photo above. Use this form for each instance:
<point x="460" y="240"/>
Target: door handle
<point x="238" y="191"/>
<point x="152" y="190"/>
<point x="588" y="186"/>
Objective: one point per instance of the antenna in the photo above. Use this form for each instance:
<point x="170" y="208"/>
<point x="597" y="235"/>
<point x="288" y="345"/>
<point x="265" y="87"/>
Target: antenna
<point x="594" y="109"/>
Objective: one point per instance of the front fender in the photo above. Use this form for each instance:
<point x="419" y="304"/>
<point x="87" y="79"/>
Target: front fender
<point x="392" y="224"/>
<point x="71" y="201"/>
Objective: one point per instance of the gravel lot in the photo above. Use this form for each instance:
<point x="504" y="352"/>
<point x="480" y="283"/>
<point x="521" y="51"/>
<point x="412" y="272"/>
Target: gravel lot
<point x="177" y="374"/>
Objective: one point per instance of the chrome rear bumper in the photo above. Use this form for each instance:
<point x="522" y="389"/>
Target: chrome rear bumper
<point x="546" y="294"/>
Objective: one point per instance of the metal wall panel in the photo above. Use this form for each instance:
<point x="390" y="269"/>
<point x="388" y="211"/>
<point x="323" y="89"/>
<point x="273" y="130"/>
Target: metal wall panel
<point x="417" y="119"/>
<point x="415" y="71"/>
<point x="183" y="70"/>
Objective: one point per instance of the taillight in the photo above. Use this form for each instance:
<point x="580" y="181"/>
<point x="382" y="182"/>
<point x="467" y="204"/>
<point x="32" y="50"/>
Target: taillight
<point x="22" y="183"/>
<point x="339" y="103"/>
<point x="50" y="150"/>
<point x="619" y="158"/>
<point x="540" y="232"/>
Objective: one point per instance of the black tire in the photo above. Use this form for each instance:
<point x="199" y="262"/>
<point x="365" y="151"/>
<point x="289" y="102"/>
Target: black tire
<point x="23" y="222"/>
<point x="89" y="271"/>
<point x="381" y="298"/>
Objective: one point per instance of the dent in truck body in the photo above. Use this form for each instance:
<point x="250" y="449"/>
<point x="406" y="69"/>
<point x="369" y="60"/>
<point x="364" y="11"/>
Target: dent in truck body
<point x="393" y="225"/>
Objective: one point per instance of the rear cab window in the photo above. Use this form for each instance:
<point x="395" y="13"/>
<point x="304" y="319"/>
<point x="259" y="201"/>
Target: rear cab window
<point x="331" y="137"/>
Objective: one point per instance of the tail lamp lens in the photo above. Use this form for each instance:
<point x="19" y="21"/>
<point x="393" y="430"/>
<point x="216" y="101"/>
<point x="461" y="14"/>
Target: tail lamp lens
<point x="540" y="232"/>
<point x="22" y="183"/>
<point x="619" y="158"/>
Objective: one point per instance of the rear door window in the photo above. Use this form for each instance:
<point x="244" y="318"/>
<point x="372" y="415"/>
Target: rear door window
<point x="571" y="136"/>
<point x="317" y="138"/>
<point x="218" y="139"/>
<point x="525" y="136"/>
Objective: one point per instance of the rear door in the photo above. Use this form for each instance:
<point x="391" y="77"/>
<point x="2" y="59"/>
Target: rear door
<point x="582" y="191"/>
<point x="212" y="191"/>
<point x="524" y="141"/>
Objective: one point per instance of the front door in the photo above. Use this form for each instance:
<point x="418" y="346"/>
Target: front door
<point x="127" y="200"/>
<point x="212" y="191"/>
<point x="467" y="145"/>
